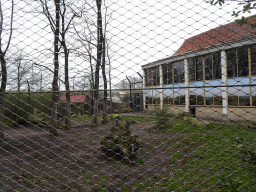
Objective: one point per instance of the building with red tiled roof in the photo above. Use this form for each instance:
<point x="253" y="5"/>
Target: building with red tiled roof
<point x="219" y="35"/>
<point x="209" y="69"/>
<point x="75" y="99"/>
<point x="80" y="104"/>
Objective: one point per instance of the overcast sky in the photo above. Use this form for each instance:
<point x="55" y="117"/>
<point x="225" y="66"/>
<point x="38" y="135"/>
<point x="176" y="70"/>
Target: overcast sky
<point x="142" y="31"/>
<point x="146" y="31"/>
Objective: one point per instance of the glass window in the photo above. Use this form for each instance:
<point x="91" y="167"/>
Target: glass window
<point x="208" y="67"/>
<point x="152" y="76"/>
<point x="199" y="68"/>
<point x="231" y="63"/>
<point x="167" y="71"/>
<point x="191" y="65"/>
<point x="216" y="66"/>
<point x="148" y="77"/>
<point x="176" y="67"/>
<point x="182" y="73"/>
<point x="156" y="77"/>
<point x="237" y="65"/>
<point x="242" y="61"/>
<point x="253" y="56"/>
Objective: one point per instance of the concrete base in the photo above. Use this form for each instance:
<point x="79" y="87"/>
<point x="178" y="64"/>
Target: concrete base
<point x="214" y="113"/>
<point x="225" y="117"/>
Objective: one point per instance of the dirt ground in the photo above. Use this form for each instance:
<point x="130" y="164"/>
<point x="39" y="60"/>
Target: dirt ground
<point x="32" y="160"/>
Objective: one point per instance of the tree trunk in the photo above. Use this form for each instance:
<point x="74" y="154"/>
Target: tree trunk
<point x="55" y="88"/>
<point x="68" y="104"/>
<point x="98" y="63"/>
<point x="19" y="77"/>
<point x="103" y="66"/>
<point x="2" y="92"/>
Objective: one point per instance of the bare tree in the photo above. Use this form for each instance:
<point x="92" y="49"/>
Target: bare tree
<point x="64" y="30"/>
<point x="3" y="61"/>
<point x="105" y="52"/>
<point x="19" y="69"/>
<point x="93" y="39"/>
<point x="54" y="22"/>
<point x="59" y="27"/>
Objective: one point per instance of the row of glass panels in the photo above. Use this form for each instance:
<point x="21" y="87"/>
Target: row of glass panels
<point x="239" y="62"/>
<point x="206" y="67"/>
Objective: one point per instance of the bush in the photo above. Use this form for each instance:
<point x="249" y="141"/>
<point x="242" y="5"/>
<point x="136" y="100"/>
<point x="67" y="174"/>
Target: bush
<point x="42" y="102"/>
<point x="20" y="110"/>
<point x="163" y="117"/>
<point x="120" y="144"/>
<point x="17" y="107"/>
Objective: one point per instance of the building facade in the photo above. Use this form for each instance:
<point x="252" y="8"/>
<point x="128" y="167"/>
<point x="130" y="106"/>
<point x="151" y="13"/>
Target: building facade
<point x="212" y="75"/>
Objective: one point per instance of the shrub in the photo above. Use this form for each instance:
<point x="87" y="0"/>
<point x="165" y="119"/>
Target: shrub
<point x="42" y="102"/>
<point x="163" y="117"/>
<point x="120" y="144"/>
<point x="20" y="109"/>
<point x="17" y="107"/>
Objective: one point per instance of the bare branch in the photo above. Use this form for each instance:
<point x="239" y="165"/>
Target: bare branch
<point x="1" y="25"/>
<point x="48" y="15"/>
<point x="10" y="36"/>
<point x="83" y="38"/>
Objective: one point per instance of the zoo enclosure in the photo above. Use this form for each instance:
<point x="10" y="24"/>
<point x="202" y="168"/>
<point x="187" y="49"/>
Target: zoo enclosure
<point x="84" y="51"/>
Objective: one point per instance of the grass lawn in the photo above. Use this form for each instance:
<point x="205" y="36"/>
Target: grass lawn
<point x="204" y="158"/>
<point x="181" y="154"/>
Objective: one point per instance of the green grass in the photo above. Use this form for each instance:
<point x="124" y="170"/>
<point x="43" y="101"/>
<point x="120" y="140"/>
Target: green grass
<point x="87" y="176"/>
<point x="84" y="117"/>
<point x="140" y="161"/>
<point x="103" y="177"/>
<point x="202" y="157"/>
<point x="43" y="183"/>
<point x="140" y="119"/>
<point x="102" y="187"/>
<point x="119" y="165"/>
<point x="131" y="119"/>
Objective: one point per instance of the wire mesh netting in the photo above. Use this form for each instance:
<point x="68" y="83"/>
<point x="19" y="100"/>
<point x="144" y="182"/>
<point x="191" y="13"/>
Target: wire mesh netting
<point x="105" y="95"/>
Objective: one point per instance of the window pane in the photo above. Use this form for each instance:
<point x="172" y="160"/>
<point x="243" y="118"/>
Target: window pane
<point x="156" y="78"/>
<point x="148" y="77"/>
<point x="242" y="55"/>
<point x="182" y="73"/>
<point x="217" y="66"/>
<point x="208" y="67"/>
<point x="253" y="53"/>
<point x="199" y="68"/>
<point x="191" y="64"/>
<point x="167" y="71"/>
<point x="176" y="72"/>
<point x="231" y="63"/>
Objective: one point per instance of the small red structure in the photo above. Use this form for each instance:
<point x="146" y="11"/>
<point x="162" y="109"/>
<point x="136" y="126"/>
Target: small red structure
<point x="79" y="103"/>
<point x="75" y="99"/>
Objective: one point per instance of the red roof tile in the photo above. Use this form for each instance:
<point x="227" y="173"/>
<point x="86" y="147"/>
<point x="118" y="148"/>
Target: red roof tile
<point x="73" y="99"/>
<point x="222" y="34"/>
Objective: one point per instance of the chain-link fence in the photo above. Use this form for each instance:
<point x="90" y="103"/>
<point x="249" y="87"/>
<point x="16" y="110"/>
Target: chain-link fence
<point x="105" y="95"/>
